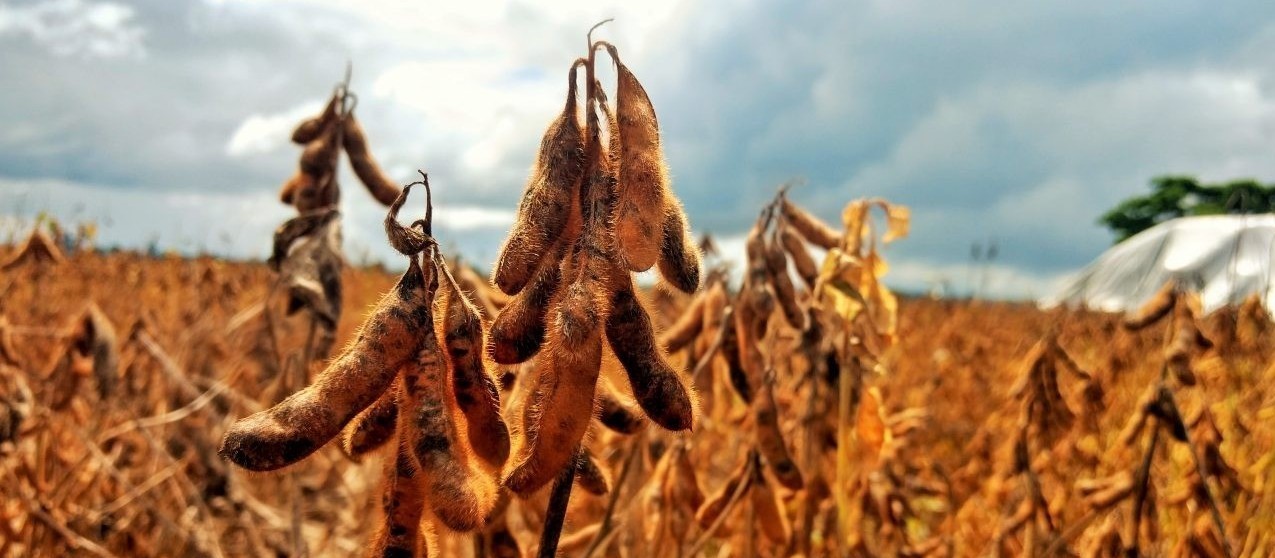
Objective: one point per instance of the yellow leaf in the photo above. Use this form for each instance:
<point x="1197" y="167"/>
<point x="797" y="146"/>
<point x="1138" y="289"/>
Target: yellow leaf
<point x="898" y="220"/>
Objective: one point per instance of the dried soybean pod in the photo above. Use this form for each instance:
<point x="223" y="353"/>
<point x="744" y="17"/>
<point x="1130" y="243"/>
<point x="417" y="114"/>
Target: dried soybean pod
<point x="302" y="423"/>
<point x="617" y="416"/>
<point x="679" y="256"/>
<point x="687" y="327"/>
<point x="298" y="182"/>
<point x="589" y="476"/>
<point x="475" y="387"/>
<point x="547" y="200"/>
<point x="685" y="485"/>
<point x="785" y="292"/>
<point x="319" y="156"/>
<point x="716" y="503"/>
<point x="643" y="195"/>
<point x="1157" y="307"/>
<point x="613" y="128"/>
<point x="810" y="227"/>
<point x="310" y="128"/>
<point x="372" y="427"/>
<point x="807" y="269"/>
<point x="519" y="330"/>
<point x="579" y="314"/>
<point x="769" y="513"/>
<point x="365" y="167"/>
<point x="770" y="439"/>
<point x="403" y="501"/>
<point x="732" y="351"/>
<point x="459" y="494"/>
<point x="557" y="414"/>
<point x="658" y="388"/>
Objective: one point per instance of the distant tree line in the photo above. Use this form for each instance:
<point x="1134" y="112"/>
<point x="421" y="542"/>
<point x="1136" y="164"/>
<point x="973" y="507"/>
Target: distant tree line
<point x="1180" y="196"/>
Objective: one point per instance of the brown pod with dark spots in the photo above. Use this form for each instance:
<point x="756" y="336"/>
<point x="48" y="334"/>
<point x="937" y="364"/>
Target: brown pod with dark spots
<point x="658" y="388"/>
<point x="785" y="292"/>
<point x="557" y="413"/>
<point x="403" y="502"/>
<point x="302" y="423"/>
<point x="807" y="269"/>
<point x="810" y="227"/>
<point x="519" y="330"/>
<point x="310" y="128"/>
<point x="457" y="490"/>
<point x="618" y="416"/>
<point x="475" y="387"/>
<point x="679" y="261"/>
<point x="548" y="198"/>
<point x="770" y="439"/>
<point x="643" y="192"/>
<point x="590" y="476"/>
<point x="687" y="327"/>
<point x="365" y="167"/>
<point x="372" y="427"/>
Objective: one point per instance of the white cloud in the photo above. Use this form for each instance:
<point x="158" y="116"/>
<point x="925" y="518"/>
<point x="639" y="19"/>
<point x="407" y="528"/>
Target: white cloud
<point x="465" y="218"/>
<point x="77" y="28"/>
<point x="264" y="133"/>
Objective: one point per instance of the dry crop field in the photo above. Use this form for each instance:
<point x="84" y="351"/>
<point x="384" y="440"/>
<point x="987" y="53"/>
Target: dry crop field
<point x="555" y="404"/>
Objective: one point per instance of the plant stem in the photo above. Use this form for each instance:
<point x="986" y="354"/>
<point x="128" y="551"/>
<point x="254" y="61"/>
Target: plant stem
<point x="556" y="514"/>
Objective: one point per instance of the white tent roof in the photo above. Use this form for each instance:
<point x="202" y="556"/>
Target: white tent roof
<point x="1225" y="258"/>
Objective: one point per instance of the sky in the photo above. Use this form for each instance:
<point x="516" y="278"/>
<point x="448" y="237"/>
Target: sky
<point x="1015" y="123"/>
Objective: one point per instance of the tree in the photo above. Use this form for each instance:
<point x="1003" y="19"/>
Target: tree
<point x="1179" y="196"/>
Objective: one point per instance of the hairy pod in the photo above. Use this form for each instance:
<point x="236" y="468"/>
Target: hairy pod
<point x="688" y="325"/>
<point x="302" y="423"/>
<point x="1157" y="307"/>
<point x="579" y="314"/>
<point x="785" y="292"/>
<point x="474" y="385"/>
<point x="459" y="493"/>
<point x="618" y="416"/>
<point x="546" y="202"/>
<point x="403" y="502"/>
<point x="557" y="412"/>
<point x="310" y="128"/>
<point x="770" y="439"/>
<point x="679" y="261"/>
<point x="658" y="388"/>
<point x="365" y="167"/>
<point x="810" y="227"/>
<point x="643" y="196"/>
<point x="806" y="267"/>
<point x="518" y="331"/>
<point x="372" y="427"/>
<point x="590" y="476"/>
